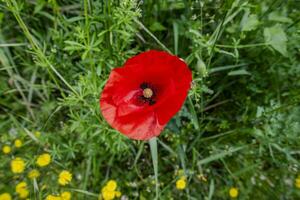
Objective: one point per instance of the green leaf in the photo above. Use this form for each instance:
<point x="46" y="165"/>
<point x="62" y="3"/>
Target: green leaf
<point x="249" y="21"/>
<point x="238" y="72"/>
<point x="156" y="26"/>
<point x="153" y="148"/>
<point x="201" y="68"/>
<point x="219" y="155"/>
<point x="211" y="189"/>
<point x="276" y="16"/>
<point x="276" y="37"/>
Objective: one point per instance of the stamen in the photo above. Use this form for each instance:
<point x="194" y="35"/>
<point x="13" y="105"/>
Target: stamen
<point x="147" y="93"/>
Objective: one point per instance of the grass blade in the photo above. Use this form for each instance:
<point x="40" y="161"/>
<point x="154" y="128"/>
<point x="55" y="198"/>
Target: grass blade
<point x="153" y="147"/>
<point x="219" y="156"/>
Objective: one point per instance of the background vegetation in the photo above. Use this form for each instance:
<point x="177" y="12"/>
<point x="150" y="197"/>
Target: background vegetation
<point x="239" y="127"/>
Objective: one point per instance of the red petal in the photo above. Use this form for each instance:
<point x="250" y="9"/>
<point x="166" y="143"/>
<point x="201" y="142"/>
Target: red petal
<point x="168" y="74"/>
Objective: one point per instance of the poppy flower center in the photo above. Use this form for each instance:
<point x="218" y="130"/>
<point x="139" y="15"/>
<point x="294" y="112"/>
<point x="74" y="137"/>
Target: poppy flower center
<point x="147" y="93"/>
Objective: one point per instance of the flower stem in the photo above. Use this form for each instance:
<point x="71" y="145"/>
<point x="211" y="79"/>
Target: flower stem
<point x="153" y="148"/>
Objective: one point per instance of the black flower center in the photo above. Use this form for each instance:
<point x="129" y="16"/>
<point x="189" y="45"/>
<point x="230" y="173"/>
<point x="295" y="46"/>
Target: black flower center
<point x="148" y="95"/>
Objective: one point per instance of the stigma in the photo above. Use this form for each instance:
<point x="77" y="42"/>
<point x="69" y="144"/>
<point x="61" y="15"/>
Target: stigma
<point x="147" y="93"/>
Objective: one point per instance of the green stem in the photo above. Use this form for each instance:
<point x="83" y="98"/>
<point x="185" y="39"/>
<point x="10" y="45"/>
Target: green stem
<point x="242" y="46"/>
<point x="153" y="148"/>
<point x="151" y="35"/>
<point x="15" y="10"/>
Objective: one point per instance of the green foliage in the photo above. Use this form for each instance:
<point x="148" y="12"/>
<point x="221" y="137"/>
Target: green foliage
<point x="239" y="126"/>
<point x="276" y="37"/>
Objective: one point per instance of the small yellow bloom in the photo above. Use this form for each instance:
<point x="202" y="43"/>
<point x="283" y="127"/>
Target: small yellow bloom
<point x="118" y="193"/>
<point x="108" y="191"/>
<point x="108" y="195"/>
<point x="65" y="196"/>
<point x="43" y="160"/>
<point x="65" y="177"/>
<point x="22" y="190"/>
<point x="5" y="196"/>
<point x="18" y="143"/>
<point x="37" y="134"/>
<point x="6" y="149"/>
<point x="181" y="184"/>
<point x="17" y="165"/>
<point x="33" y="174"/>
<point x="297" y="182"/>
<point x="23" y="194"/>
<point x="52" y="197"/>
<point x="21" y="186"/>
<point x="233" y="192"/>
<point x="111" y="185"/>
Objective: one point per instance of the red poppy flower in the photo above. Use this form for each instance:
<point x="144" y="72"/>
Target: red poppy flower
<point x="140" y="97"/>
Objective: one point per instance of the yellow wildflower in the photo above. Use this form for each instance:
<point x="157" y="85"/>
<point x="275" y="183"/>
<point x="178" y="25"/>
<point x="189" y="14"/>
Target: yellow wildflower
<point x="65" y="177"/>
<point x="22" y="190"/>
<point x="233" y="192"/>
<point x="43" y="160"/>
<point x="118" y="193"/>
<point x="17" y="165"/>
<point x="65" y="196"/>
<point x="108" y="195"/>
<point x="23" y="194"/>
<point x="111" y="185"/>
<point x="52" y="197"/>
<point x="33" y="174"/>
<point x="18" y="143"/>
<point x="21" y="186"/>
<point x="37" y="134"/>
<point x="6" y="149"/>
<point x="297" y="182"/>
<point x="5" y="196"/>
<point x="181" y="183"/>
<point x="108" y="191"/>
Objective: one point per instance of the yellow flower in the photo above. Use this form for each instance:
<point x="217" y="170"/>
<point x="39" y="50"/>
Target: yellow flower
<point x="5" y="196"/>
<point x="111" y="185"/>
<point x="108" y="195"/>
<point x="65" y="196"/>
<point x="43" y="160"/>
<point x="65" y="177"/>
<point x="181" y="183"/>
<point x="22" y="190"/>
<point x="18" y="143"/>
<point x="17" y="165"/>
<point x="297" y="182"/>
<point x="6" y="149"/>
<point x="108" y="191"/>
<point x="33" y="174"/>
<point x="118" y="193"/>
<point x="52" y="197"/>
<point x="233" y="192"/>
<point x="23" y="194"/>
<point x="21" y="186"/>
<point x="37" y="134"/>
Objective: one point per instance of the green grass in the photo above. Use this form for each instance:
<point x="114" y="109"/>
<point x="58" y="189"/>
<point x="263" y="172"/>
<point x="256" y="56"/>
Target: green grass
<point x="239" y="126"/>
